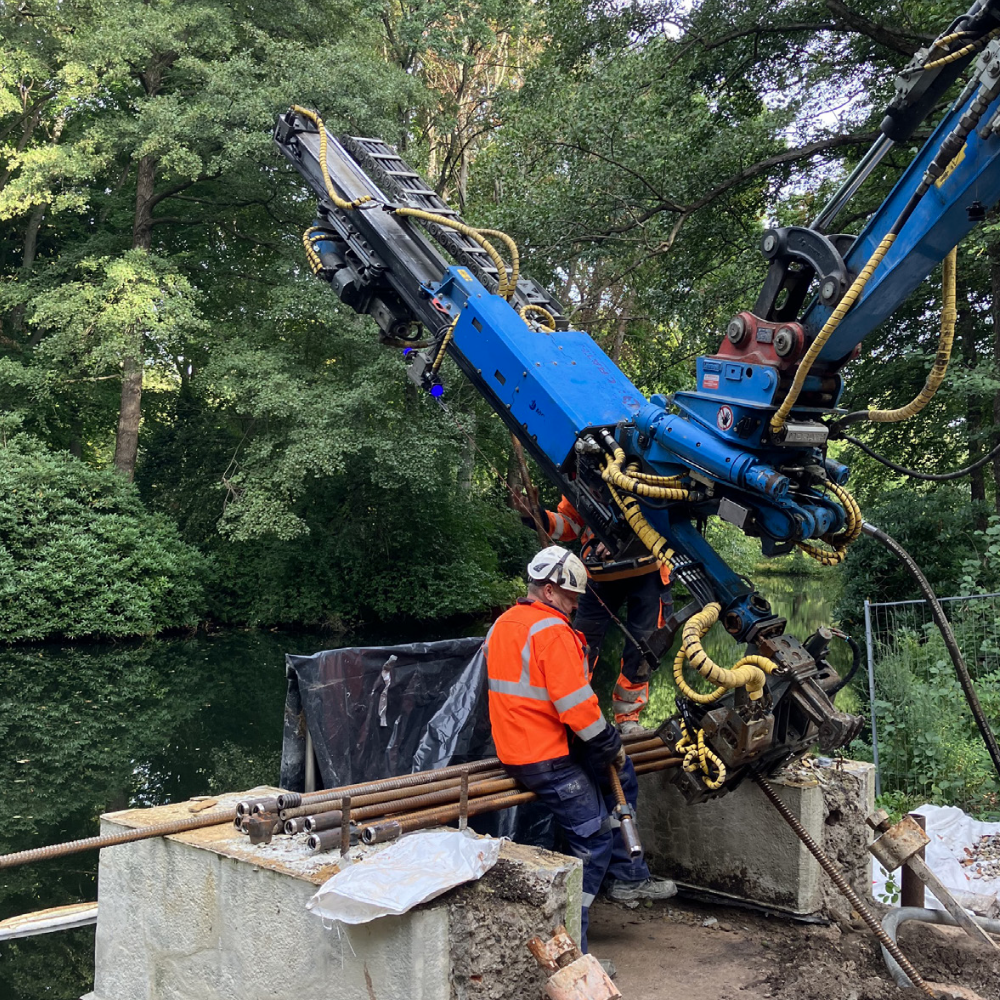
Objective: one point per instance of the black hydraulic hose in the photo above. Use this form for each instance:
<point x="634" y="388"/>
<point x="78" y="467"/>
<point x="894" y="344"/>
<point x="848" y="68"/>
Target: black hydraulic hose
<point x="932" y="477"/>
<point x="949" y="637"/>
<point x="855" y="662"/>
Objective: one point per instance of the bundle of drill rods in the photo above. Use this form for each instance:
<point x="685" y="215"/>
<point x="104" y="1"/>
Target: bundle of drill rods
<point x="377" y="811"/>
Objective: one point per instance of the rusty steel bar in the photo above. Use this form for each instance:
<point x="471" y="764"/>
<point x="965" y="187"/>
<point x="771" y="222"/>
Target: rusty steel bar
<point x="345" y="828"/>
<point x="444" y="814"/>
<point x="292" y="800"/>
<point x="630" y="836"/>
<point x="389" y="829"/>
<point x="311" y="808"/>
<point x="643" y="745"/>
<point x="390" y="795"/>
<point x="463" y="802"/>
<point x="650" y="766"/>
<point x="435" y="801"/>
<point x="837" y="876"/>
<point x="219" y="818"/>
<point x="661" y="753"/>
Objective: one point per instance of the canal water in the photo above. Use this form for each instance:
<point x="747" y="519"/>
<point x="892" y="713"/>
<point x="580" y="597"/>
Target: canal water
<point x="91" y="728"/>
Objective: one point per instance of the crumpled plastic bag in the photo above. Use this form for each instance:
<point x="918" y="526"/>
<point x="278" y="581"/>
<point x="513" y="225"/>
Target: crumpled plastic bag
<point x="413" y="870"/>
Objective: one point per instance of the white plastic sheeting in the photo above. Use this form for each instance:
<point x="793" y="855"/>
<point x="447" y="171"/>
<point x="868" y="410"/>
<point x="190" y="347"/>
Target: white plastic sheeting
<point x="950" y="831"/>
<point x="413" y="870"/>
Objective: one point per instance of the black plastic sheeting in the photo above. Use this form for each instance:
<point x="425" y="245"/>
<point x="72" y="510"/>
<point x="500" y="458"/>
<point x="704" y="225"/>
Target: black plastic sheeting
<point x="384" y="711"/>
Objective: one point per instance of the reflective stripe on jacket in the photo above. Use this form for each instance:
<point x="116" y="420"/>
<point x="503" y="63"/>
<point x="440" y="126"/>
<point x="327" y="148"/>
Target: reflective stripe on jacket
<point x="566" y="525"/>
<point x="538" y="685"/>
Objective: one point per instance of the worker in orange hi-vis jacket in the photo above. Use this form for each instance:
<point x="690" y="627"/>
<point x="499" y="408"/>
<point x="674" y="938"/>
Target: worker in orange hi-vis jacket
<point x="551" y="735"/>
<point x="643" y="589"/>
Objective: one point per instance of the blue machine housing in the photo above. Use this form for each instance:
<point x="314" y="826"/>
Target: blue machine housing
<point x="555" y="385"/>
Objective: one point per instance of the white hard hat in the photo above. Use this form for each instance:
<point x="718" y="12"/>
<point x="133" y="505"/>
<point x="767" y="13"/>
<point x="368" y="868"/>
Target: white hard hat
<point x="559" y="566"/>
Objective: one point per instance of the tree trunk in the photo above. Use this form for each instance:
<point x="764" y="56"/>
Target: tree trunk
<point x="130" y="410"/>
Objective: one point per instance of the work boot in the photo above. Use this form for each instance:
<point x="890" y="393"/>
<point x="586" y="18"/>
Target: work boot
<point x="632" y="727"/>
<point x="609" y="967"/>
<point x="649" y="888"/>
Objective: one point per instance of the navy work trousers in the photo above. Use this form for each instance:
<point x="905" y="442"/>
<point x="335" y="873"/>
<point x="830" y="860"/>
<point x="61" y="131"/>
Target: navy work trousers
<point x="641" y="596"/>
<point x="582" y="802"/>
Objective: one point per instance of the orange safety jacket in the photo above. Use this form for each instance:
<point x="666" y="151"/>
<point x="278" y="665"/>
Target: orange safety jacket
<point x="538" y="684"/>
<point x="566" y="525"/>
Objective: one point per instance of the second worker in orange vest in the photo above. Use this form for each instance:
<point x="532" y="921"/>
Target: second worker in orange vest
<point x="643" y="590"/>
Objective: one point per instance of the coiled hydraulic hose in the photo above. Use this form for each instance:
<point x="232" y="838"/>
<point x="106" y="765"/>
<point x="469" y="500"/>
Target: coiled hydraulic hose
<point x="937" y="613"/>
<point x="959" y="53"/>
<point x="507" y="285"/>
<point x="515" y="260"/>
<point x="647" y="534"/>
<point x="840" y="541"/>
<point x="445" y="341"/>
<point x="698" y="757"/>
<point x="749" y="672"/>
<point x="547" y="317"/>
<point x="613" y="475"/>
<point x="949" y="316"/>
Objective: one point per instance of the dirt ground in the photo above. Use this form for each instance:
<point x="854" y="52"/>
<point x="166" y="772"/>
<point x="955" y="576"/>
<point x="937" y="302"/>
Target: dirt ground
<point x="684" y="949"/>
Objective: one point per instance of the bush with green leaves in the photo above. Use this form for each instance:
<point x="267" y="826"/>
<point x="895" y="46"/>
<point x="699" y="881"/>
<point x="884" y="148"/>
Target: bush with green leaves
<point x="80" y="556"/>
<point x="929" y="747"/>
<point x="935" y="526"/>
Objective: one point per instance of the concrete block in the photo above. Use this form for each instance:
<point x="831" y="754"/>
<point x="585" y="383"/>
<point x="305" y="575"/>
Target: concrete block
<point x="207" y="916"/>
<point x="738" y="846"/>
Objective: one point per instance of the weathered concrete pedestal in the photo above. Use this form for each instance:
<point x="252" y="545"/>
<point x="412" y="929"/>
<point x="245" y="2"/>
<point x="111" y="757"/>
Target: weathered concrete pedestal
<point x="739" y="846"/>
<point x="207" y="916"/>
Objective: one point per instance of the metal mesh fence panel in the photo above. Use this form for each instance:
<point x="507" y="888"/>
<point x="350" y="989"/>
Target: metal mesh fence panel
<point x="924" y="740"/>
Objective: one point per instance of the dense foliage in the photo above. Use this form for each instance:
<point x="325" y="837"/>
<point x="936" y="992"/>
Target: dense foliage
<point x="156" y="317"/>
<point x="81" y="556"/>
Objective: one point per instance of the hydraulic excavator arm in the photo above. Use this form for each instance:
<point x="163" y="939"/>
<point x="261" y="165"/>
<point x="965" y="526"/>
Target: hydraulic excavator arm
<point x="748" y="444"/>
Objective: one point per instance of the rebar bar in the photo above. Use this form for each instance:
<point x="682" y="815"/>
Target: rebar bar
<point x="630" y="836"/>
<point x="837" y="876"/>
<point x="313" y="808"/>
<point x="219" y="818"/>
<point x="292" y="800"/>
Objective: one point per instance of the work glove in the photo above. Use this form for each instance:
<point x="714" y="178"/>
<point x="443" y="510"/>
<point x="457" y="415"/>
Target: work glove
<point x="604" y="748"/>
<point x="620" y="759"/>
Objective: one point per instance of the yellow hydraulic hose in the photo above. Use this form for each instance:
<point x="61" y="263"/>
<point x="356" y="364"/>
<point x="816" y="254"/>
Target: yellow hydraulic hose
<point x="698" y="757"/>
<point x="613" y="475"/>
<point x="839" y="542"/>
<point x="685" y="689"/>
<point x="446" y="340"/>
<point x="314" y="262"/>
<point x="334" y="197"/>
<point x="515" y="259"/>
<point x="461" y="227"/>
<point x="651" y="480"/>
<point x="949" y="315"/>
<point x="749" y="672"/>
<point x="781" y="415"/>
<point x="550" y="320"/>
<point x="964" y="51"/>
<point x="647" y="534"/>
